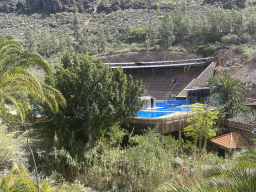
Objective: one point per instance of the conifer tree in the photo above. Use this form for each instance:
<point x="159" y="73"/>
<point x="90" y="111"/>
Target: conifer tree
<point x="238" y="22"/>
<point x="68" y="39"/>
<point x="30" y="41"/>
<point x="45" y="42"/>
<point x="83" y="44"/>
<point x="54" y="44"/>
<point x="101" y="41"/>
<point x="63" y="43"/>
<point x="166" y="35"/>
<point x="97" y="98"/>
<point x="251" y="26"/>
<point x="76" y="27"/>
<point x="152" y="34"/>
<point x="181" y="23"/>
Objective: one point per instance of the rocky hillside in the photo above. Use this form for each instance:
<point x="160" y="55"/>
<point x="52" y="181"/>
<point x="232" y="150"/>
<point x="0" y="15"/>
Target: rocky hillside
<point x="241" y="66"/>
<point x="115" y="16"/>
<point x="107" y="6"/>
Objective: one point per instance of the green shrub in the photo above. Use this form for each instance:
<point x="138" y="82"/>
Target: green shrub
<point x="213" y="37"/>
<point x="245" y="38"/>
<point x="206" y="51"/>
<point x="11" y="146"/>
<point x="242" y="49"/>
<point x="230" y="39"/>
<point x="142" y="166"/>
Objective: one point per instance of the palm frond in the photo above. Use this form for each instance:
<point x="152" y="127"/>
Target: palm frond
<point x="18" y="105"/>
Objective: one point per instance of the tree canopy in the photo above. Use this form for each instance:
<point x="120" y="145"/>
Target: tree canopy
<point x="229" y="92"/>
<point x="201" y="125"/>
<point x="97" y="98"/>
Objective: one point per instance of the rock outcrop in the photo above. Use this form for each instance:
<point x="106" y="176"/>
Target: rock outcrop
<point x="228" y="4"/>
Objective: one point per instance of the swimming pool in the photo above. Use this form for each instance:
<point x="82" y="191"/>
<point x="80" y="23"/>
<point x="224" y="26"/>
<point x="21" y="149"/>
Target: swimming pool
<point x="164" y="107"/>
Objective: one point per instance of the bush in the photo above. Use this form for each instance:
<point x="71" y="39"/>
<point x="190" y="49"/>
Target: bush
<point x="213" y="37"/>
<point x="142" y="166"/>
<point x="230" y="39"/>
<point x="11" y="147"/>
<point x="245" y="38"/>
<point x="206" y="51"/>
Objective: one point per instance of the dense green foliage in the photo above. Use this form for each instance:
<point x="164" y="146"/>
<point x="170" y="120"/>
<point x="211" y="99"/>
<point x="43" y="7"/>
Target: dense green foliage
<point x="145" y="164"/>
<point x="11" y="146"/>
<point x="99" y="101"/>
<point x="83" y="140"/>
<point x="229" y="93"/>
<point x="97" y="97"/>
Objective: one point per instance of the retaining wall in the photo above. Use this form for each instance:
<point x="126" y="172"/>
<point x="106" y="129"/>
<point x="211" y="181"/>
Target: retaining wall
<point x="244" y="129"/>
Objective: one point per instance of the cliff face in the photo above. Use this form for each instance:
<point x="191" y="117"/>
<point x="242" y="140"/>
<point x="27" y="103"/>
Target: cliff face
<point x="54" y="6"/>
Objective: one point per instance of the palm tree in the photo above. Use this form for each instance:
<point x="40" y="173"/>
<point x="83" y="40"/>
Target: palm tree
<point x="12" y="54"/>
<point x="15" y="62"/>
<point x="229" y="92"/>
<point x="15" y="78"/>
<point x="20" y="80"/>
<point x="240" y="176"/>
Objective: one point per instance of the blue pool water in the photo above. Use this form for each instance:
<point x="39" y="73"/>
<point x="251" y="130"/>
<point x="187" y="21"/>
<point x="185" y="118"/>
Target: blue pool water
<point x="164" y="107"/>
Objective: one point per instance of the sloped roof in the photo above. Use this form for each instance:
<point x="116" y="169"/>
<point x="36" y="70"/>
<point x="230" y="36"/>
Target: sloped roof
<point x="231" y="140"/>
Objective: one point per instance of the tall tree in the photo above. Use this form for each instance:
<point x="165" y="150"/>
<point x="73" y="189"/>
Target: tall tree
<point x="30" y="41"/>
<point x="45" y="42"/>
<point x="101" y="41"/>
<point x="152" y="33"/>
<point x="76" y="27"/>
<point x="166" y="34"/>
<point x="97" y="98"/>
<point x="230" y="93"/>
<point x="251" y="26"/>
<point x="83" y="44"/>
<point x="181" y="23"/>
